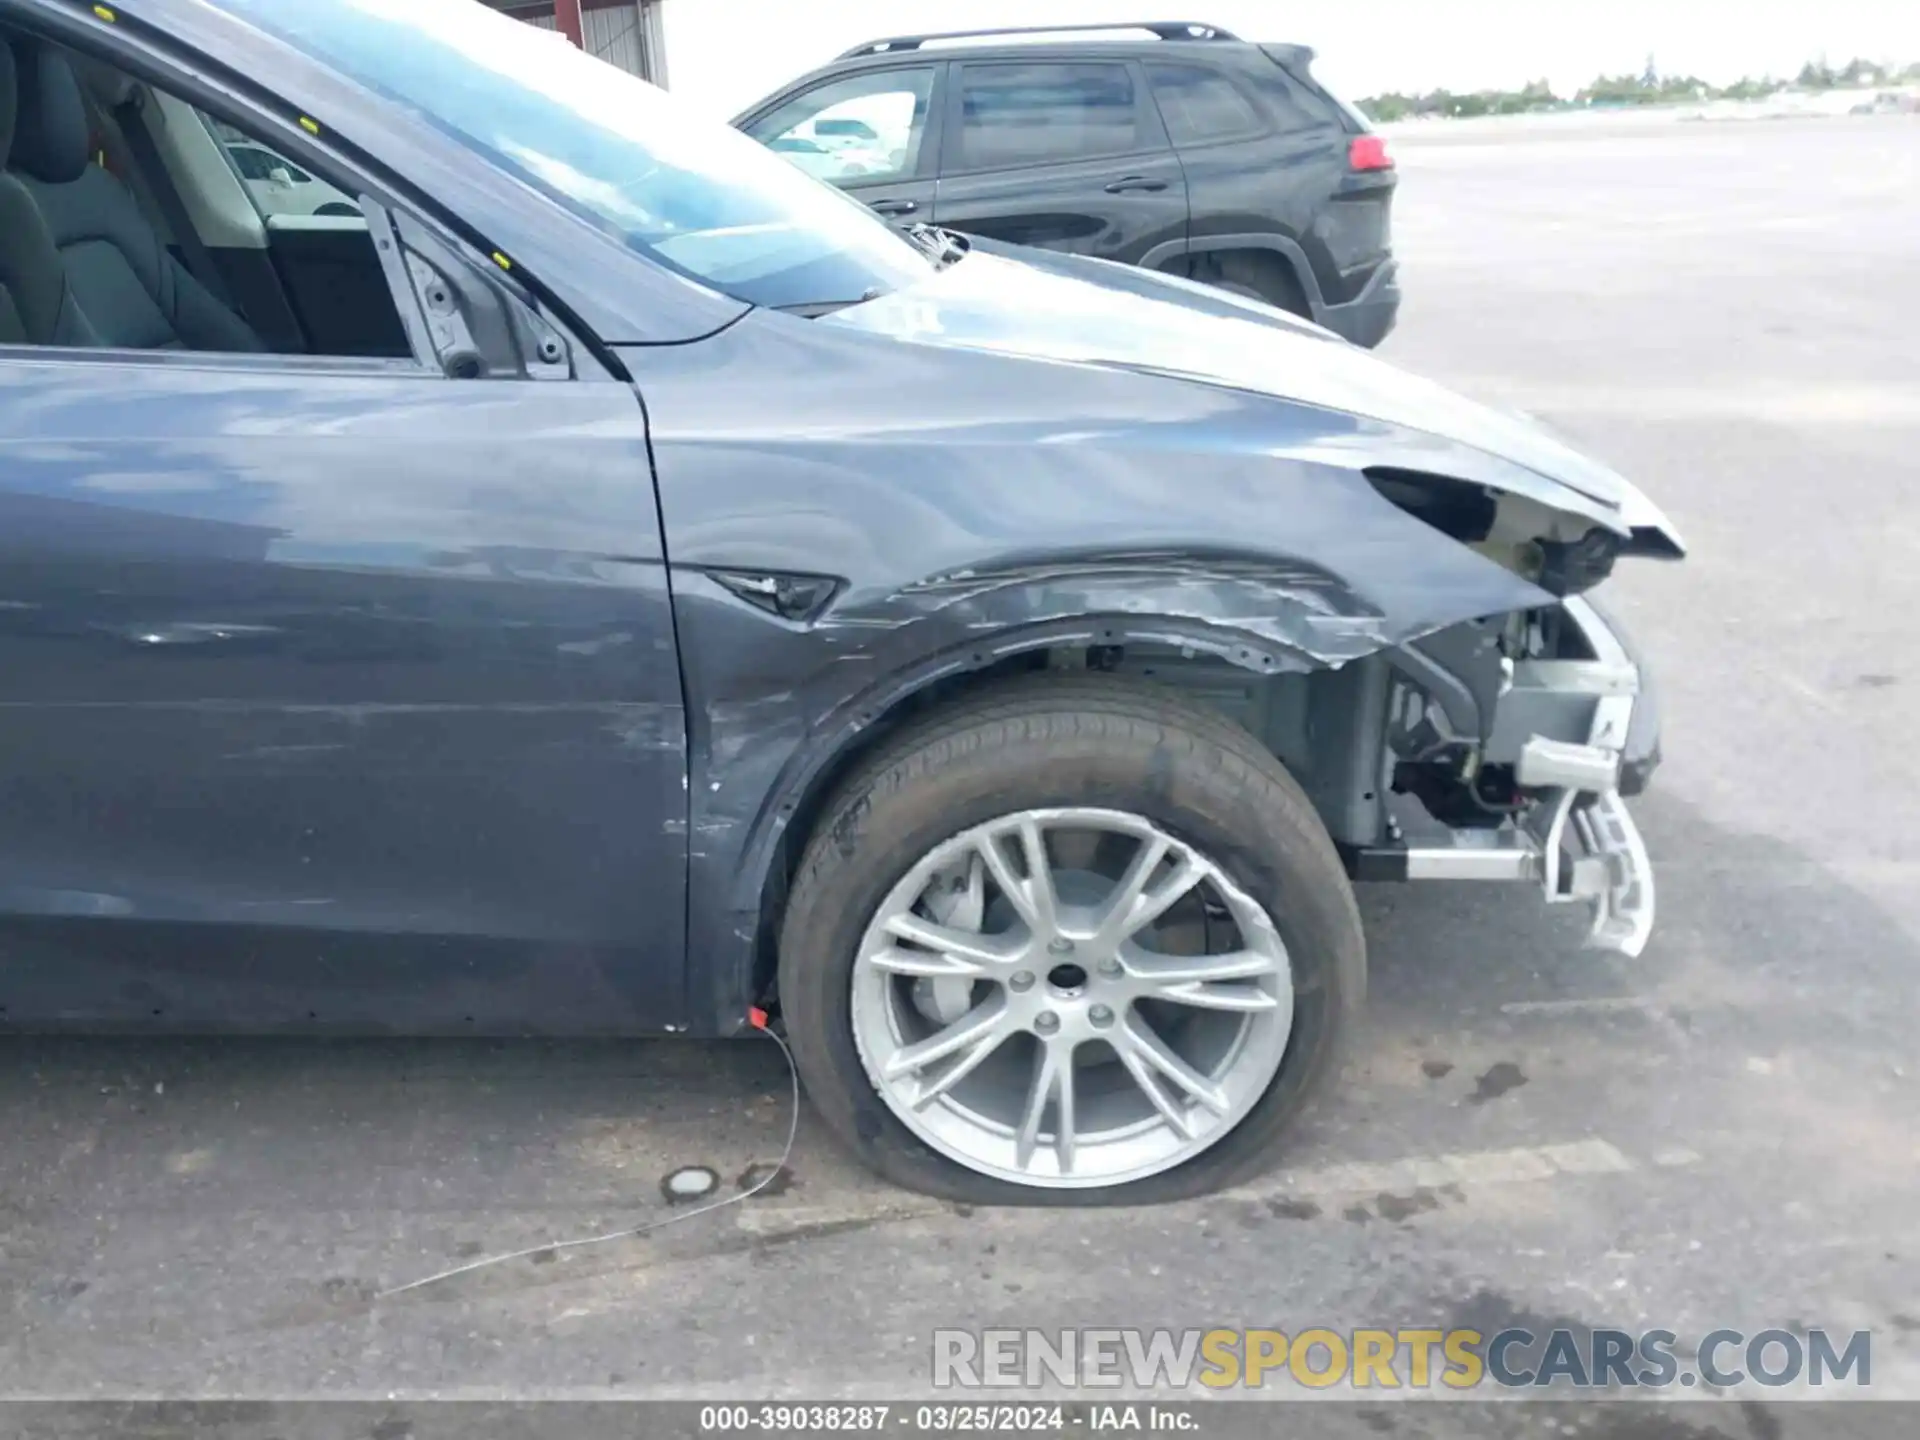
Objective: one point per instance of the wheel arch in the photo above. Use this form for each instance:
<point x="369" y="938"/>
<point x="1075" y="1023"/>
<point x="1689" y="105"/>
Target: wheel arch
<point x="1281" y="247"/>
<point x="860" y="729"/>
<point x="771" y="735"/>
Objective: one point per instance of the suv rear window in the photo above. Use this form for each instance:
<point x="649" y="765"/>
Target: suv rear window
<point x="1032" y="113"/>
<point x="1200" y="104"/>
<point x="1297" y="103"/>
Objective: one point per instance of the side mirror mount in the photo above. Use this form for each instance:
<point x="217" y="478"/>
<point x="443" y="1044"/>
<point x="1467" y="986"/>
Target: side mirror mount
<point x="474" y="323"/>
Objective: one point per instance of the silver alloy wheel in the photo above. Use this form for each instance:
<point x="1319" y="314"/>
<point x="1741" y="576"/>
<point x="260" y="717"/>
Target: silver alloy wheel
<point x="1021" y="1003"/>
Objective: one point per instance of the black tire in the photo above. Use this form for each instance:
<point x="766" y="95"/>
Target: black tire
<point x="1067" y="740"/>
<point x="1260" y="276"/>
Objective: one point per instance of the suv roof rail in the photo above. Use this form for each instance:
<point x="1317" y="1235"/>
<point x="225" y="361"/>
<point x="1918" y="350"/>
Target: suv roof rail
<point x="1160" y="29"/>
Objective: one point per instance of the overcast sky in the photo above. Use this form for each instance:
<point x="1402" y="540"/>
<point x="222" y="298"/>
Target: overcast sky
<point x="1365" y="46"/>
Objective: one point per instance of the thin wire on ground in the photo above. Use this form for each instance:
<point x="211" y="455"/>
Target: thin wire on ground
<point x="786" y="1155"/>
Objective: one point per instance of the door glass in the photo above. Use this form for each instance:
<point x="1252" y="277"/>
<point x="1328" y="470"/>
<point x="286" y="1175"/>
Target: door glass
<point x="274" y="183"/>
<point x="252" y="162"/>
<point x="855" y="129"/>
<point x="1030" y="114"/>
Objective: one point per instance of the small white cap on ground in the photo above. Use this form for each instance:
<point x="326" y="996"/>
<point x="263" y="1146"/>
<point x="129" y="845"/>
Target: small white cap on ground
<point x="691" y="1183"/>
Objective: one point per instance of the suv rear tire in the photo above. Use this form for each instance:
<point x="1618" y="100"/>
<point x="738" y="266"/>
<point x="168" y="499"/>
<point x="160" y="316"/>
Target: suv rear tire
<point x="1157" y="767"/>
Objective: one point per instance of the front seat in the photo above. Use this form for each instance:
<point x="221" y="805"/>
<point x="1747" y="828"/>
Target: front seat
<point x="134" y="292"/>
<point x="37" y="306"/>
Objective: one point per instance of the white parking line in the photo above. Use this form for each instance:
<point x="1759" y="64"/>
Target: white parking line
<point x="1602" y="1004"/>
<point x="778" y="1220"/>
<point x="1523" y="1164"/>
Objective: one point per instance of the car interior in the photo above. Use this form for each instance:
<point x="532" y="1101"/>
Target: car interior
<point x="128" y="220"/>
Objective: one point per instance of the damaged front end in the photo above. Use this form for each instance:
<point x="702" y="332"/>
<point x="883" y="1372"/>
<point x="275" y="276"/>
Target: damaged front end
<point x="1491" y="749"/>
<point x="1519" y="735"/>
<point x="1043" y="463"/>
<point x="1519" y="738"/>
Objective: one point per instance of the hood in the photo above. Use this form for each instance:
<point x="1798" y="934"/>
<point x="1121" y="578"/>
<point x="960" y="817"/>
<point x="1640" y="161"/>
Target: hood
<point x="1075" y="310"/>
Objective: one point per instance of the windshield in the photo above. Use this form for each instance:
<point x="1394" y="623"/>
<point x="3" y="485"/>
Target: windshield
<point x="691" y="193"/>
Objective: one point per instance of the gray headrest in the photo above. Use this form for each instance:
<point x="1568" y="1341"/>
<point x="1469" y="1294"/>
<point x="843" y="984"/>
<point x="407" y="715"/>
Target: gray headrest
<point x="109" y="88"/>
<point x="50" y="125"/>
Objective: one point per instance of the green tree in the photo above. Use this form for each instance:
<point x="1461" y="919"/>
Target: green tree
<point x="1391" y="106"/>
<point x="1615" y="90"/>
<point x="1815" y="75"/>
<point x="1647" y="88"/>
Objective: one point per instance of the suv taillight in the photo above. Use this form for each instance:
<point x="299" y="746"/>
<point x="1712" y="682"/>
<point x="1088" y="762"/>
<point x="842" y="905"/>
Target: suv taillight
<point x="1368" y="152"/>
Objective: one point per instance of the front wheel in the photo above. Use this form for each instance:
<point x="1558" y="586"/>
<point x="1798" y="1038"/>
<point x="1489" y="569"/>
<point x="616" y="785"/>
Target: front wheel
<point x="1074" y="941"/>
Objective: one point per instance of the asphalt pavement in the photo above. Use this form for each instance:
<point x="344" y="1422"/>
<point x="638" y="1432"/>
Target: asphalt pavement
<point x="1722" y="1132"/>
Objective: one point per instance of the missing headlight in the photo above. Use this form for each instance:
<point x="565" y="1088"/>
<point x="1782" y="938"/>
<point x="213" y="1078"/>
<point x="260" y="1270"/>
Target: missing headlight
<point x="1569" y="567"/>
<point x="1455" y="508"/>
<point x="1557" y="550"/>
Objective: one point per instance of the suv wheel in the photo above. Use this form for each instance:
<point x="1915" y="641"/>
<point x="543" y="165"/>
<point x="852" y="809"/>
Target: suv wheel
<point x="1258" y="275"/>
<point x="1076" y="941"/>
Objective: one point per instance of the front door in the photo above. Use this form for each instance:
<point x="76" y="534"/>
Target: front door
<point x="334" y="692"/>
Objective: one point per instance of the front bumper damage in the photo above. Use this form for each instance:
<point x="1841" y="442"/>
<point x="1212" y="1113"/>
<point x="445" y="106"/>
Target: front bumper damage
<point x="1578" y="734"/>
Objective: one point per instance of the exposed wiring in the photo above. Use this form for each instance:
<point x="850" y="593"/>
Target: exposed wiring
<point x="758" y="1018"/>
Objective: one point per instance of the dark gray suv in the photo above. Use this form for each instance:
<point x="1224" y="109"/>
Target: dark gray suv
<point x="1194" y="153"/>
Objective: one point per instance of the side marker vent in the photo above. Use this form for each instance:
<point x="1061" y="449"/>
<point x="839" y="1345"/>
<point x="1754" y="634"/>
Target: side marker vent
<point x="791" y="597"/>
